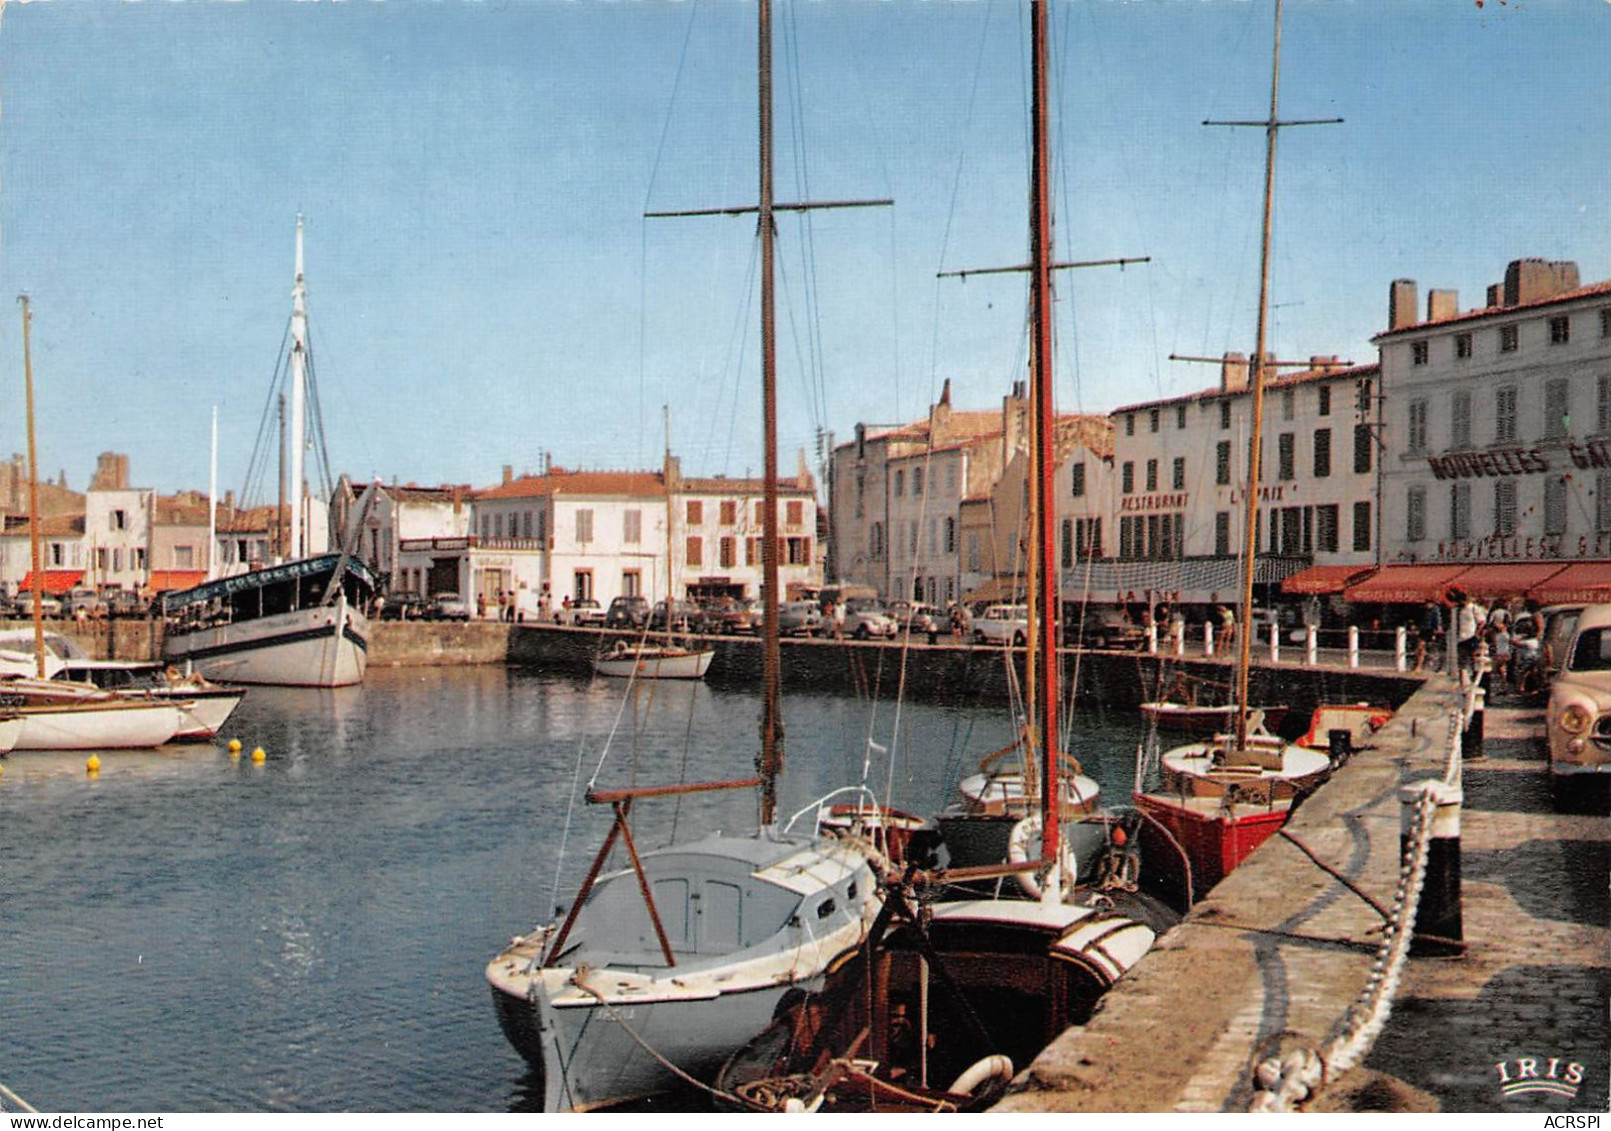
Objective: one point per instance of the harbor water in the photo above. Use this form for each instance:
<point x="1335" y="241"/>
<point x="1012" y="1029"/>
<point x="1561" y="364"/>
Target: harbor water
<point x="188" y="930"/>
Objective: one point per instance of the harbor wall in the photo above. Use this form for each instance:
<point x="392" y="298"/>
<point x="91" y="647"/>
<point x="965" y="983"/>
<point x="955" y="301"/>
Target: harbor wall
<point x="133" y="638"/>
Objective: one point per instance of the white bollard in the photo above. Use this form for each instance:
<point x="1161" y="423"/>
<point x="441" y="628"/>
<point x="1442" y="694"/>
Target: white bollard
<point x="1353" y="645"/>
<point x="1208" y="638"/>
<point x="1275" y="643"/>
<point x="1152" y="639"/>
<point x="1311" y="644"/>
<point x="1178" y="630"/>
<point x="1401" y="649"/>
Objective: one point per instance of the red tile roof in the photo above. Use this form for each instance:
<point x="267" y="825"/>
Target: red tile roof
<point x="1589" y="291"/>
<point x="561" y="482"/>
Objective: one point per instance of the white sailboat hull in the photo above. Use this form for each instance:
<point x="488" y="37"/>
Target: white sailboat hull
<point x="99" y="726"/>
<point x="324" y="646"/>
<point x="655" y="663"/>
<point x="10" y="732"/>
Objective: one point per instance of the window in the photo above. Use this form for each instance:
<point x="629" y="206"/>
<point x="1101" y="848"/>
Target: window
<point x="1285" y="449"/>
<point x="525" y="524"/>
<point x="1603" y="390"/>
<point x="1460" y="511"/>
<point x="875" y="542"/>
<point x="1509" y="338"/>
<point x="1076" y="480"/>
<point x="1152" y="475"/>
<point x="911" y="538"/>
<point x="136" y="559"/>
<point x="1088" y="533"/>
<point x="760" y="512"/>
<point x="1222" y="463"/>
<point x="1326" y="529"/>
<point x="1322" y="453"/>
<point x="103" y="558"/>
<point x="1179" y="479"/>
<point x="184" y="557"/>
<point x="1066" y="547"/>
<point x="1555" y="505"/>
<point x="1415" y="514"/>
<point x="1222" y="533"/>
<point x="497" y="525"/>
<point x="793" y="512"/>
<point x="1417" y="433"/>
<point x="694" y="551"/>
<point x="542" y="525"/>
<point x="1361" y="527"/>
<point x="631" y="526"/>
<point x="1605" y="322"/>
<point x="582" y="585"/>
<point x="1127" y="478"/>
<point x="1602" y="501"/>
<point x="900" y="484"/>
<point x="1560" y="330"/>
<point x="631" y="583"/>
<point x="1362" y="390"/>
<point x="1557" y="410"/>
<point x="950" y="535"/>
<point x="726" y="552"/>
<point x="917" y="481"/>
<point x="1505" y="414"/>
<point x="1152" y="421"/>
<point x="1504" y="508"/>
<point x="1129" y="424"/>
<point x="1462" y="346"/>
<point x="797" y="551"/>
<point x="1225" y="416"/>
<point x="1460" y="420"/>
<point x="1324" y="395"/>
<point x="695" y="512"/>
<point x="973" y="552"/>
<point x="1180" y="417"/>
<point x="119" y="520"/>
<point x="1289" y="403"/>
<point x="729" y="512"/>
<point x="584" y="525"/>
<point x="1418" y="353"/>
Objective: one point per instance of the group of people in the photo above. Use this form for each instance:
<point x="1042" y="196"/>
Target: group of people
<point x="1511" y="630"/>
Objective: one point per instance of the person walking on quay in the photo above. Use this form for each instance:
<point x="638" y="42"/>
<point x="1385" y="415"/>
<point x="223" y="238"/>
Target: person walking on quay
<point x="1227" y="625"/>
<point x="1499" y="644"/>
<point x="1430" y="637"/>
<point x="1468" y="621"/>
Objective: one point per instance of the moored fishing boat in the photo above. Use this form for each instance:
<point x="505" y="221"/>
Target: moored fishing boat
<point x="654" y="661"/>
<point x="62" y="715"/>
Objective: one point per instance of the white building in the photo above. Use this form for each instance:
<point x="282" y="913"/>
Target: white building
<point x="1497" y="472"/>
<point x="392" y="515"/>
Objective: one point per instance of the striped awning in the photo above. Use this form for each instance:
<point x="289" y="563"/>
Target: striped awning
<point x="1501" y="581"/>
<point x="1325" y="579"/>
<point x="1404" y="584"/>
<point x="1581" y="583"/>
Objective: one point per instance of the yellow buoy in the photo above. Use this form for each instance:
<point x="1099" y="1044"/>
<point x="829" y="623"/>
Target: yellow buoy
<point x="258" y="755"/>
<point x="93" y="766"/>
<point x="234" y="746"/>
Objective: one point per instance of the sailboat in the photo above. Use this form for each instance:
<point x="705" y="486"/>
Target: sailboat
<point x="53" y="714"/>
<point x="949" y="997"/>
<point x="303" y="622"/>
<point x="660" y="970"/>
<point x="658" y="659"/>
<point x="1222" y="797"/>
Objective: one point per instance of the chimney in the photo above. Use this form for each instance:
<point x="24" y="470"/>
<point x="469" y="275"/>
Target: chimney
<point x="1496" y="295"/>
<point x="1401" y="304"/>
<point x="1233" y="372"/>
<point x="508" y="474"/>
<point x="1532" y="280"/>
<point x="945" y="393"/>
<point x="1442" y="304"/>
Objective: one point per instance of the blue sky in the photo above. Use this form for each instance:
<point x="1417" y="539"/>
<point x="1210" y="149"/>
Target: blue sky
<point x="483" y="286"/>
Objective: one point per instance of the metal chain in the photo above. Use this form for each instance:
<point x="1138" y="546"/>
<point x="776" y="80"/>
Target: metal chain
<point x="1287" y="1081"/>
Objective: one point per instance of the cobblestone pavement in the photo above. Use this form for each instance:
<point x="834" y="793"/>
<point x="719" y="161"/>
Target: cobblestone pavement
<point x="1535" y="981"/>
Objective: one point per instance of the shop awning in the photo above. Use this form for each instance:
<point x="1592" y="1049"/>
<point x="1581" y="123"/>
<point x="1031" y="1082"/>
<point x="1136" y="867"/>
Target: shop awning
<point x="997" y="591"/>
<point x="165" y="580"/>
<point x="1498" y="581"/>
<point x="1581" y="583"/>
<point x="55" y="580"/>
<point x="1404" y="584"/>
<point x="1325" y="579"/>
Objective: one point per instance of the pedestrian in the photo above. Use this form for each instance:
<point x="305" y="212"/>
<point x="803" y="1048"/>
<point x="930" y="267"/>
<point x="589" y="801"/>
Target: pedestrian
<point x="481" y="606"/>
<point x="1468" y="617"/>
<point x="1499" y="645"/>
<point x="1430" y="637"/>
<point x="839" y="620"/>
<point x="1227" y="625"/>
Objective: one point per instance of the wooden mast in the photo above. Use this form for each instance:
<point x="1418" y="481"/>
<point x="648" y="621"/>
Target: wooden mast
<point x="1043" y="598"/>
<point x="33" y="496"/>
<point x="771" y="760"/>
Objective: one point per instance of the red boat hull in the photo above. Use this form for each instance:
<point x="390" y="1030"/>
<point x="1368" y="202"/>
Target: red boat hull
<point x="1214" y="842"/>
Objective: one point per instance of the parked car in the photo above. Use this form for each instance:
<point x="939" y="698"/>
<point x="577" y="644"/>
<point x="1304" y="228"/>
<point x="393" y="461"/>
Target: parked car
<point x="733" y="617"/>
<point x="583" y="613"/>
<point x="685" y="617"/>
<point x="1002" y="624"/>
<point x="403" y="606"/>
<point x="924" y="620"/>
<point x="22" y="606"/>
<point x="125" y="603"/>
<point x="799" y="618"/>
<point x="447" y="606"/>
<point x="865" y="619"/>
<point x="627" y="613"/>
<point x="1108" y="628"/>
<point x="1579" y="716"/>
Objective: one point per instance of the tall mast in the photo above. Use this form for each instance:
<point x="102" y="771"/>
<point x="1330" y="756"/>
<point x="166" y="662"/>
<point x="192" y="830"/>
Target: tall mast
<point x="771" y="708"/>
<point x="33" y="496"/>
<point x="299" y="379"/>
<point x="1043" y="598"/>
<point x="212" y="502"/>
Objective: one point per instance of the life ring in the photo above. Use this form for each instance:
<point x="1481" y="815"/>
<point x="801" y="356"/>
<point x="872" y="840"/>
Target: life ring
<point x="989" y="1068"/>
<point x="1025" y="833"/>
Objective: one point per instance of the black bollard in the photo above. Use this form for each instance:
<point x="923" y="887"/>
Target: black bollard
<point x="1471" y="737"/>
<point x="1439" y="929"/>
